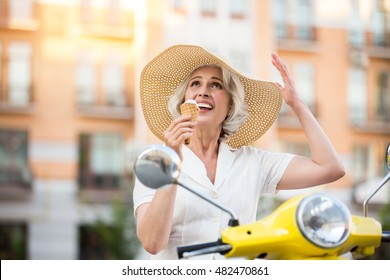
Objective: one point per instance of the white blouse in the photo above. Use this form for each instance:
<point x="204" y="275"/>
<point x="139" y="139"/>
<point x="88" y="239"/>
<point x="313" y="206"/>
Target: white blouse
<point x="242" y="175"/>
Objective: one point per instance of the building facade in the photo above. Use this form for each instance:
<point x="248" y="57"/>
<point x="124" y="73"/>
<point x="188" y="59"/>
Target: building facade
<point x="71" y="123"/>
<point x="66" y="118"/>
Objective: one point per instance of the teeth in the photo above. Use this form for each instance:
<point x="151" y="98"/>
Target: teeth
<point x="204" y="105"/>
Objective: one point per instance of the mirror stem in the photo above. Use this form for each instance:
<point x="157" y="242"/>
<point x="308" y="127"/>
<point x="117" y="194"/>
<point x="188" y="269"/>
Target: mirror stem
<point x="233" y="218"/>
<point x="381" y="184"/>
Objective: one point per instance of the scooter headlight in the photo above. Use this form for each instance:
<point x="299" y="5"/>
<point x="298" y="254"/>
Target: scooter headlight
<point x="323" y="220"/>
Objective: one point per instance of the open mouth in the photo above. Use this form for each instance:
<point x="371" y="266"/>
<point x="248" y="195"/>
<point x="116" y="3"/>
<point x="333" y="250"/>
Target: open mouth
<point x="205" y="106"/>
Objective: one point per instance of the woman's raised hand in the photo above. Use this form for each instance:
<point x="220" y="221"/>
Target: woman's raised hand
<point x="290" y="94"/>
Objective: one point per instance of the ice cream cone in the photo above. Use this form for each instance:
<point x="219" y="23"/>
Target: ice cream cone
<point x="190" y="107"/>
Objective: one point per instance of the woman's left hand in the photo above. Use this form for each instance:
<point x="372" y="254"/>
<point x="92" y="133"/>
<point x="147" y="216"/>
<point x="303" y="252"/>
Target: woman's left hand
<point x="289" y="91"/>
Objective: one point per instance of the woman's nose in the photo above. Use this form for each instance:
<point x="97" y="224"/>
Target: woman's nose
<point x="203" y="93"/>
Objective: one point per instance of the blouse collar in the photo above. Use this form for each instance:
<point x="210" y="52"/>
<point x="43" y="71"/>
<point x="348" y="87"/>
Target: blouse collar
<point x="193" y="167"/>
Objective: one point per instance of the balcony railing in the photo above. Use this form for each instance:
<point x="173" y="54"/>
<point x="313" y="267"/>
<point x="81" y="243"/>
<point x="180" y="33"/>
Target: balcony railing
<point x="15" y="183"/>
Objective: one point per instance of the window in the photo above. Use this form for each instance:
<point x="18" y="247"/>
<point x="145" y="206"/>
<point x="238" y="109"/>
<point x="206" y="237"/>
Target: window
<point x="293" y="19"/>
<point x="85" y="11"/>
<point x="360" y="162"/>
<point x="19" y="74"/>
<point x="179" y="6"/>
<point x="367" y="162"/>
<point x="13" y="241"/>
<point x="304" y="80"/>
<point x="101" y="162"/>
<point x="208" y="7"/>
<point x="382" y="109"/>
<point x="18" y="15"/>
<point x="114" y="16"/>
<point x="21" y="9"/>
<point x="86" y="79"/>
<point x="107" y="19"/>
<point x="279" y="18"/>
<point x="14" y="167"/>
<point x="305" y="83"/>
<point x="356" y="27"/>
<point x="238" y="8"/>
<point x="91" y="11"/>
<point x="380" y="29"/>
<point x="101" y="84"/>
<point x="305" y="11"/>
<point x="357" y="95"/>
<point x="114" y="81"/>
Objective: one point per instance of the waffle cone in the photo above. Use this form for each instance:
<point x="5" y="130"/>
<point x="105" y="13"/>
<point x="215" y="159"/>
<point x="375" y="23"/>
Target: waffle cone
<point x="191" y="110"/>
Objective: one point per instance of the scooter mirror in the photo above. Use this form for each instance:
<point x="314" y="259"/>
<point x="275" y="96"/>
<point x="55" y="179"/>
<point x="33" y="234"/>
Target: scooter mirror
<point x="388" y="157"/>
<point x="157" y="166"/>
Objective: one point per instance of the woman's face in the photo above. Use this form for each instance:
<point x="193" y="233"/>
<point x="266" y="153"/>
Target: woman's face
<point x="207" y="88"/>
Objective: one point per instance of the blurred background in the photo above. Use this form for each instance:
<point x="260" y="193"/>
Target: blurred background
<point x="71" y="123"/>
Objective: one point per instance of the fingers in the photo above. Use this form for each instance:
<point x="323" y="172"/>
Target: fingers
<point x="278" y="85"/>
<point x="282" y="67"/>
<point x="278" y="62"/>
<point x="179" y="130"/>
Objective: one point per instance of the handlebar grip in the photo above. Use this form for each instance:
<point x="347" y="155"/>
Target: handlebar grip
<point x="190" y="248"/>
<point x="386" y="236"/>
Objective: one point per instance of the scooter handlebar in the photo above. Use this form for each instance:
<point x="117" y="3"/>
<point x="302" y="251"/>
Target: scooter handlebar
<point x="386" y="236"/>
<point x="187" y="251"/>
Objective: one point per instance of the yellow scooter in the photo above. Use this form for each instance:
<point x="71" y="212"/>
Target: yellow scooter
<point x="313" y="226"/>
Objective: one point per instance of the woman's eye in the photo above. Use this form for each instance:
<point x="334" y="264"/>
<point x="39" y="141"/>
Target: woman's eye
<point x="195" y="84"/>
<point x="217" y="85"/>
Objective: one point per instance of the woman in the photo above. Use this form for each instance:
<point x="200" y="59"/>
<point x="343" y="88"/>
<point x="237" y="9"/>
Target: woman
<point x="218" y="161"/>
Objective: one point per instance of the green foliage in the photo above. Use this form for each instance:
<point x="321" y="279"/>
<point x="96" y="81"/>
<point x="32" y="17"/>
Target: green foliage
<point x="12" y="242"/>
<point x="118" y="238"/>
<point x="384" y="217"/>
<point x="267" y="204"/>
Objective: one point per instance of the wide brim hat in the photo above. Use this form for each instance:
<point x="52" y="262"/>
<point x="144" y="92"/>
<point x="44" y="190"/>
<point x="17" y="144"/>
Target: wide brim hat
<point x="163" y="74"/>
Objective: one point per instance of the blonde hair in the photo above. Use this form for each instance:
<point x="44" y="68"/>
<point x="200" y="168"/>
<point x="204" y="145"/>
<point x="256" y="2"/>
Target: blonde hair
<point x="239" y="108"/>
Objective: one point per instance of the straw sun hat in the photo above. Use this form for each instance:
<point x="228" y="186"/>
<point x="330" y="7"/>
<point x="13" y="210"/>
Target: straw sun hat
<point x="162" y="75"/>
